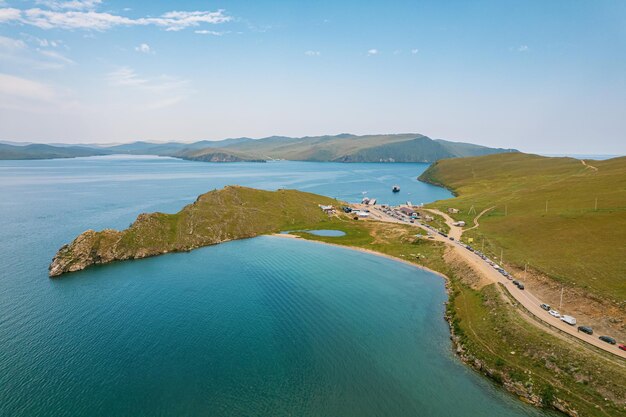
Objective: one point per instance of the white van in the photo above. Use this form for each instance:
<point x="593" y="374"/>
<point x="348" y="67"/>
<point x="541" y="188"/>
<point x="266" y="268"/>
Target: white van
<point x="569" y="320"/>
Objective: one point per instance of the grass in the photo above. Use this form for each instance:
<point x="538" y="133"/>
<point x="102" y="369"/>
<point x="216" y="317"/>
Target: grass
<point x="571" y="241"/>
<point x="396" y="240"/>
<point x="350" y="148"/>
<point x="516" y="352"/>
<point x="227" y="214"/>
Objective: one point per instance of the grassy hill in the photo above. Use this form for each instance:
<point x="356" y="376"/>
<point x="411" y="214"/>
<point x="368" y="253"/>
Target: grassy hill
<point x="217" y="216"/>
<point x="216" y="155"/>
<point x="545" y="214"/>
<point x="409" y="147"/>
<point x="40" y="151"/>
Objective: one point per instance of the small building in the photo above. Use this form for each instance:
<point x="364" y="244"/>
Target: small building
<point x="362" y="214"/>
<point x="428" y="218"/>
<point x="327" y="209"/>
<point x="453" y="210"/>
<point x="460" y="223"/>
<point x="408" y="211"/>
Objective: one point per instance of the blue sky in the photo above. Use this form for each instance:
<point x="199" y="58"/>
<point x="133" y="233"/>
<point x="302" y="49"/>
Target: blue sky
<point x="541" y="76"/>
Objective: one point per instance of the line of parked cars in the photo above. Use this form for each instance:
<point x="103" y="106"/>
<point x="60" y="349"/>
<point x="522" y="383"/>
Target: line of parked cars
<point x="585" y="329"/>
<point x="502" y="271"/>
<point x="565" y="318"/>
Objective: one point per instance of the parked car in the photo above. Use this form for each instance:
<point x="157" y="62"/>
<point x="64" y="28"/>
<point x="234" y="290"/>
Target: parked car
<point x="547" y="308"/>
<point x="622" y="347"/>
<point x="555" y="313"/>
<point x="515" y="282"/>
<point x="520" y="286"/>
<point x="451" y="238"/>
<point x="607" y="339"/>
<point x="569" y="320"/>
<point x="585" y="329"/>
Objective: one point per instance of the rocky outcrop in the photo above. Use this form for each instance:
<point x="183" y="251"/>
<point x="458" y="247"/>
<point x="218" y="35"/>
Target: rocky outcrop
<point x="217" y="216"/>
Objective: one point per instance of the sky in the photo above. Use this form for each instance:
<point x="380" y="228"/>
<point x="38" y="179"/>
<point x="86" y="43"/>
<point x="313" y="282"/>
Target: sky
<point x="540" y="76"/>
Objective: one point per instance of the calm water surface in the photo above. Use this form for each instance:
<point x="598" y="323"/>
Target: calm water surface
<point x="266" y="326"/>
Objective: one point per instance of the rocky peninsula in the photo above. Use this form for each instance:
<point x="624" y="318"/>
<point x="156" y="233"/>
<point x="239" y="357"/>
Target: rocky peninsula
<point x="221" y="215"/>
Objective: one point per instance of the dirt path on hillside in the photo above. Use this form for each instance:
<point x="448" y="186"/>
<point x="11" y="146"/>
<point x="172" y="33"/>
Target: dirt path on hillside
<point x="476" y="224"/>
<point x="588" y="166"/>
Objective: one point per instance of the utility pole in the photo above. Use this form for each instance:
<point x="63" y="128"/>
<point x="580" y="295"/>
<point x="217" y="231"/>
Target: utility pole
<point x="561" y="302"/>
<point x="525" y="267"/>
<point x="502" y="256"/>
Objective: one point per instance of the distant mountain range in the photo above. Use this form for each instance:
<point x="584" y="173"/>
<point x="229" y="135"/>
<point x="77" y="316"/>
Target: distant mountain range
<point x="409" y="147"/>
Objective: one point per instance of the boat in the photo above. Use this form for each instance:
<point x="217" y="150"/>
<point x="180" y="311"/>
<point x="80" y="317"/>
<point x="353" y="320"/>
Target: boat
<point x="395" y="189"/>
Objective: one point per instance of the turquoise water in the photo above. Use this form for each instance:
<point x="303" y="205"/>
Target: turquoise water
<point x="327" y="233"/>
<point x="265" y="326"/>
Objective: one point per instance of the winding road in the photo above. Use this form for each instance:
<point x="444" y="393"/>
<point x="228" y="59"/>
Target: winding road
<point x="526" y="299"/>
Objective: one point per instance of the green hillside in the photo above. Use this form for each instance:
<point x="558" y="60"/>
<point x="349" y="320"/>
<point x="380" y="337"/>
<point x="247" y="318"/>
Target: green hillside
<point x="39" y="151"/>
<point x="230" y="213"/>
<point x="421" y="149"/>
<point x="545" y="214"/>
<point x="216" y="155"/>
<point x="408" y="147"/>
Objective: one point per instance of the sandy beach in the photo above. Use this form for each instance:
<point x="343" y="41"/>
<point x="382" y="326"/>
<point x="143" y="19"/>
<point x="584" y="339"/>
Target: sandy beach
<point x="356" y="248"/>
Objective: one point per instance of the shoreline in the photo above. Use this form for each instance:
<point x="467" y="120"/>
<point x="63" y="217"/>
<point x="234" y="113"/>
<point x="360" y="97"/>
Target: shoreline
<point x="457" y="347"/>
<point x="368" y="251"/>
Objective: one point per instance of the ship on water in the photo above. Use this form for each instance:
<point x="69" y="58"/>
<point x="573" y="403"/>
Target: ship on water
<point x="395" y="189"/>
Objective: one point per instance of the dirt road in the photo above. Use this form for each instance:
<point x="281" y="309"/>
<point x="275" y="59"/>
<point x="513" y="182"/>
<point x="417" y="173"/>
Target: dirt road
<point x="523" y="297"/>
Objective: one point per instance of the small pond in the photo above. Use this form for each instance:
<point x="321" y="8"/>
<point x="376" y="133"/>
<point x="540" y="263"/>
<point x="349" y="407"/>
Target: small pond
<point x="327" y="233"/>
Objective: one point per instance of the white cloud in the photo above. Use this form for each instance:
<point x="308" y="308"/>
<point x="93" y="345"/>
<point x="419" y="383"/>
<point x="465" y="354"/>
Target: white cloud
<point x="372" y="52"/>
<point x="522" y="48"/>
<point x="10" y="44"/>
<point x="73" y="5"/>
<point x="144" y="48"/>
<point x="56" y="56"/>
<point x="100" y="21"/>
<point x="209" y="32"/>
<point x="125" y="77"/>
<point x="44" y="43"/>
<point x="159" y="92"/>
<point x="20" y="53"/>
<point x="414" y="51"/>
<point x="312" y="53"/>
<point x="9" y="15"/>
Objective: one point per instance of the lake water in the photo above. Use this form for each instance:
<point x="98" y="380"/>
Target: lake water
<point x="327" y="233"/>
<point x="266" y="326"/>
